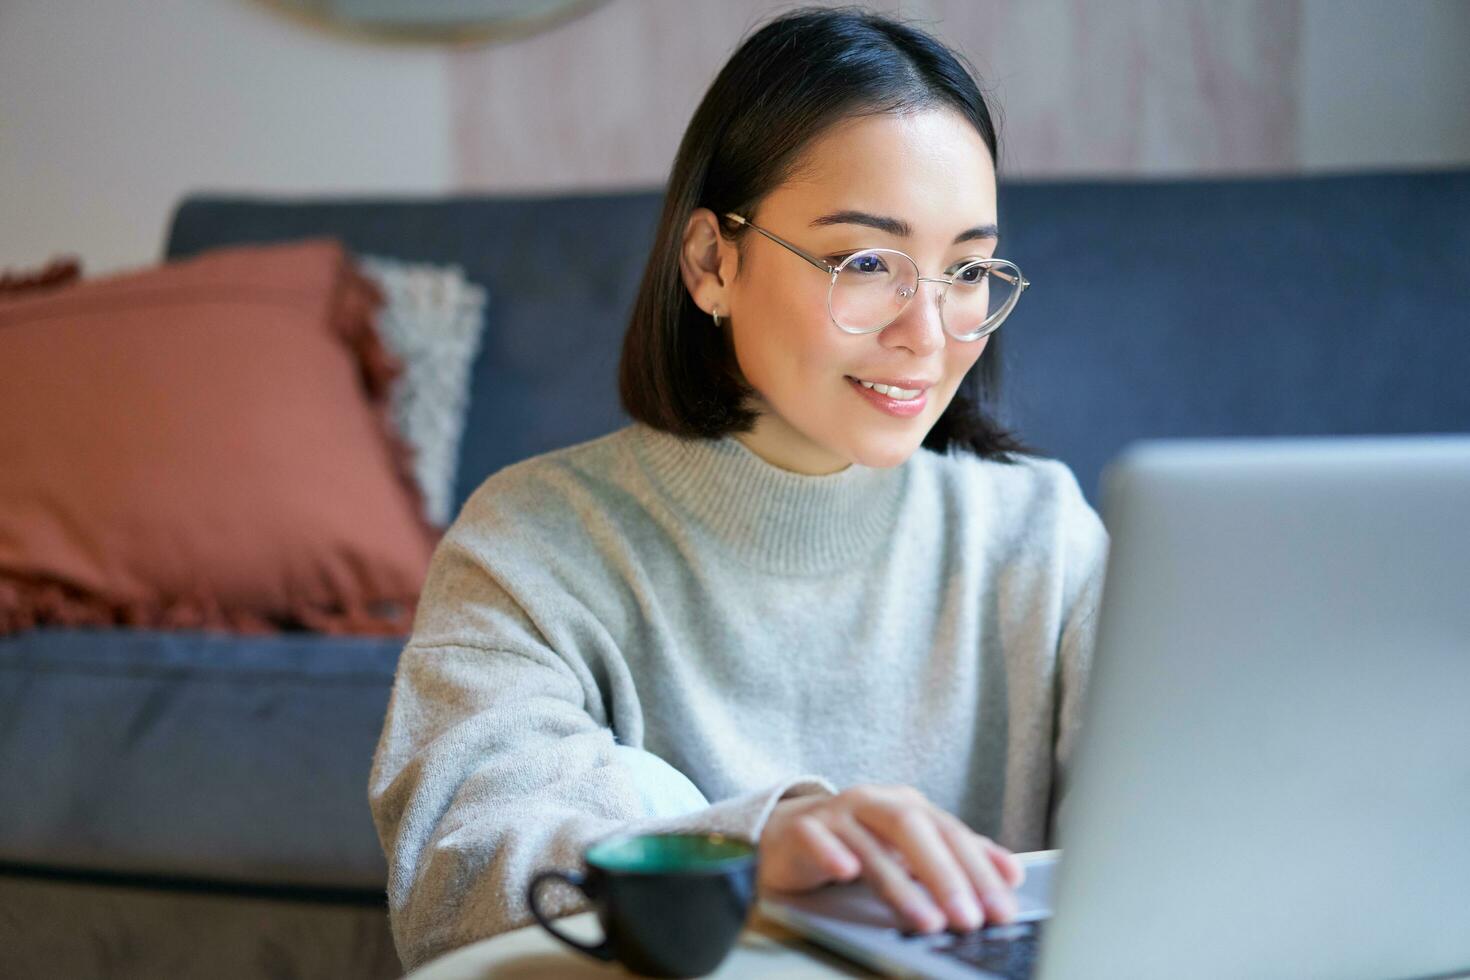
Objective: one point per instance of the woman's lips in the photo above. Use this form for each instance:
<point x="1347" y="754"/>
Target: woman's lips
<point x="901" y="409"/>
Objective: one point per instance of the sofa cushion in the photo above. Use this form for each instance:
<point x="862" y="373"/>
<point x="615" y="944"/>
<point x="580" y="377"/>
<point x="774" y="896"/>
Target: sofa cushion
<point x="1297" y="305"/>
<point x="1248" y="306"/>
<point x="206" y="444"/>
<point x="193" y="754"/>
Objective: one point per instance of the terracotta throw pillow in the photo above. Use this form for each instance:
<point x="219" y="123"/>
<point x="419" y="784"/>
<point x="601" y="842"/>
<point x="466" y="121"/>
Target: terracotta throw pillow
<point x="60" y="271"/>
<point x="207" y="444"/>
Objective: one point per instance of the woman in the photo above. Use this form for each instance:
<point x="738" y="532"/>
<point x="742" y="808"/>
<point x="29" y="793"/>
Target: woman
<point x="813" y="596"/>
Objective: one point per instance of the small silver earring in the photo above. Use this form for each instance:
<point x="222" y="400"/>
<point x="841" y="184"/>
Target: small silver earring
<point x="715" y="313"/>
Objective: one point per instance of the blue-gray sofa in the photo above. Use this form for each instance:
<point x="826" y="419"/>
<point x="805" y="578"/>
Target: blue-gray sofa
<point x="166" y="793"/>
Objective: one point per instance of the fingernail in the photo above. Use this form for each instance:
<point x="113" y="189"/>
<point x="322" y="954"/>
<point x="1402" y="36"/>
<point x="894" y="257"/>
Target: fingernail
<point x="1001" y="905"/>
<point x="925" y="917"/>
<point x="963" y="910"/>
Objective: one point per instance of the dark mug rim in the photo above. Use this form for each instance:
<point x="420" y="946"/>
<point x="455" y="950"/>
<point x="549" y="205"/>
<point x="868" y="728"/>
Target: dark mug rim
<point x="714" y="866"/>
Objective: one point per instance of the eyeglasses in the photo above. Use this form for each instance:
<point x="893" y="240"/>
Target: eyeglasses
<point x="872" y="287"/>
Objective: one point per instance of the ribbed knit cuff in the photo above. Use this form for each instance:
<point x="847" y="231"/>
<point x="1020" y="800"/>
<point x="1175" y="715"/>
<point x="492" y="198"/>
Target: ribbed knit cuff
<point x="742" y="816"/>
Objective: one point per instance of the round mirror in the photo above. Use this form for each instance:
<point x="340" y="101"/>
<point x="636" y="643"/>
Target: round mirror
<point x="440" y="21"/>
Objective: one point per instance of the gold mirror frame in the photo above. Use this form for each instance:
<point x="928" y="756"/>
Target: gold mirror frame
<point x="318" y="15"/>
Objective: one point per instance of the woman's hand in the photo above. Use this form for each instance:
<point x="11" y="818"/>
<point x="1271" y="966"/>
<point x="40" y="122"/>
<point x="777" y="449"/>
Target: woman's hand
<point x="890" y="836"/>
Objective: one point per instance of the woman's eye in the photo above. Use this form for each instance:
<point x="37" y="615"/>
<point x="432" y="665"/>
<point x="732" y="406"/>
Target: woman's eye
<point x="867" y="264"/>
<point x="973" y="274"/>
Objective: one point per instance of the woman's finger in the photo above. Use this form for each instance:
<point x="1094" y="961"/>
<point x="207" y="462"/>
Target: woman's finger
<point x="913" y="830"/>
<point x="887" y="879"/>
<point x="979" y="864"/>
<point x="829" y="853"/>
<point x="1010" y="866"/>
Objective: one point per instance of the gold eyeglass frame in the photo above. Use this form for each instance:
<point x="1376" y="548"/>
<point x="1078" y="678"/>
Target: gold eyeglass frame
<point x="1013" y="276"/>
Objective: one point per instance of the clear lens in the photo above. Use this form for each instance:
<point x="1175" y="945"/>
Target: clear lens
<point x="980" y="297"/>
<point x="871" y="289"/>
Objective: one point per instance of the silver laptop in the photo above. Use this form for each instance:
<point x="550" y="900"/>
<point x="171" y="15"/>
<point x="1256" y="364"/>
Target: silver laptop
<point x="1273" y="776"/>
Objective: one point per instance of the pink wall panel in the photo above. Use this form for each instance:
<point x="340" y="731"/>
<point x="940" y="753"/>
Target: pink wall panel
<point x="1129" y="87"/>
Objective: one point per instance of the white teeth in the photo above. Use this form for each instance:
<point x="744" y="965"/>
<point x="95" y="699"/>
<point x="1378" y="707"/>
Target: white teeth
<point x="902" y="394"/>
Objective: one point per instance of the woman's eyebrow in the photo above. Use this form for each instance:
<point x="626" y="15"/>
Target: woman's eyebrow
<point x="897" y="226"/>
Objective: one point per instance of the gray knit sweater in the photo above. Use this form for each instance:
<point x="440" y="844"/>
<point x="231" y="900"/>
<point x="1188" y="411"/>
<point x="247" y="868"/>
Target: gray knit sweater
<point x="642" y="632"/>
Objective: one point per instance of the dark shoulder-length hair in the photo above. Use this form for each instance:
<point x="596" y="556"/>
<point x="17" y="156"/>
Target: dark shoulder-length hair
<point x="787" y="84"/>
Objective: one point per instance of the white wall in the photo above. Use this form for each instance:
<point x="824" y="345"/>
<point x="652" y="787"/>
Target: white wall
<point x="111" y="110"/>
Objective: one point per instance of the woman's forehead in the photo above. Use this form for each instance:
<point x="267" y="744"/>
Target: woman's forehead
<point x="928" y="171"/>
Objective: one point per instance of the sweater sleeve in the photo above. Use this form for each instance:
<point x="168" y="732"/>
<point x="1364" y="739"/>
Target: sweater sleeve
<point x="491" y="766"/>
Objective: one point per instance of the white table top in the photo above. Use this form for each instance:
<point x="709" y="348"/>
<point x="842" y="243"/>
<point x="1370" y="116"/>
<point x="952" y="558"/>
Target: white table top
<point x="765" y="950"/>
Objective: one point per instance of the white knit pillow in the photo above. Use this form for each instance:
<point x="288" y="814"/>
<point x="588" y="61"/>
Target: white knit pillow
<point x="432" y="320"/>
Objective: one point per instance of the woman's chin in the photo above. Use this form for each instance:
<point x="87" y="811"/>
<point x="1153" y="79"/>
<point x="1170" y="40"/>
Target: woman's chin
<point x="886" y="452"/>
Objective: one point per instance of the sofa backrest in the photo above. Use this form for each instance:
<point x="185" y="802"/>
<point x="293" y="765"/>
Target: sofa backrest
<point x="1245" y="306"/>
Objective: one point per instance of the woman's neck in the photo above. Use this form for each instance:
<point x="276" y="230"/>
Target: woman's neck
<point x="776" y="442"/>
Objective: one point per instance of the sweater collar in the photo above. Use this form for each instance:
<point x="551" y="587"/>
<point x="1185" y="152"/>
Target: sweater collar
<point x="770" y="517"/>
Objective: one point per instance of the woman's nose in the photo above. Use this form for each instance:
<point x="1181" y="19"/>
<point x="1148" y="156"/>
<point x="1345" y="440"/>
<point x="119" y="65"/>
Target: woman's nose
<point x="919" y="326"/>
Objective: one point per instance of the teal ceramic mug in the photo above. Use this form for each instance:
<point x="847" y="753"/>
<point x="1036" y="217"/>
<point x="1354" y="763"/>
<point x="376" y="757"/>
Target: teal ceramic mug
<point x="671" y="905"/>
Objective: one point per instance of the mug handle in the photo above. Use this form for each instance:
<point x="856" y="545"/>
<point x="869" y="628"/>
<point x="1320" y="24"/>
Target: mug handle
<point x="603" y="950"/>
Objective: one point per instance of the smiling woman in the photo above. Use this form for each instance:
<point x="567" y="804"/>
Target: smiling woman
<point x="814" y="595"/>
<point x="930" y="172"/>
<point x="854" y="147"/>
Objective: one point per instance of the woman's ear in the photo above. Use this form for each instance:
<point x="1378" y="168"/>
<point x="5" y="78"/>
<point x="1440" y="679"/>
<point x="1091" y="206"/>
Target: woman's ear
<point x="706" y="262"/>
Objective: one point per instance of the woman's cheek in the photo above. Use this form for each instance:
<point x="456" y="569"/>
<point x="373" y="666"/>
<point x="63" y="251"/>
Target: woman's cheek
<point x="968" y="355"/>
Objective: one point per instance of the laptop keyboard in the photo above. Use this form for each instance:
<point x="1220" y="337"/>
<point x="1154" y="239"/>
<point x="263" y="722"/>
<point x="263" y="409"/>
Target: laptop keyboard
<point x="1008" y="950"/>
